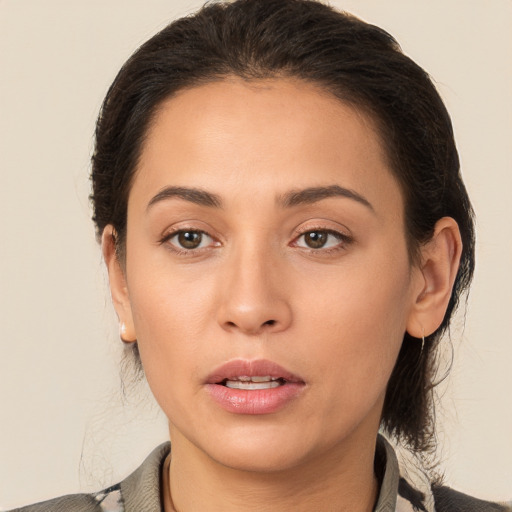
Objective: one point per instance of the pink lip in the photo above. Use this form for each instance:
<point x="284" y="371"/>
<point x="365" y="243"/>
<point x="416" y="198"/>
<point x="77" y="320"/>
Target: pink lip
<point x="261" y="401"/>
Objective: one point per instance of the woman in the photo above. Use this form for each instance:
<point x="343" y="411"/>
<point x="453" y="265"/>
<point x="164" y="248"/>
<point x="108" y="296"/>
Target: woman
<point x="277" y="193"/>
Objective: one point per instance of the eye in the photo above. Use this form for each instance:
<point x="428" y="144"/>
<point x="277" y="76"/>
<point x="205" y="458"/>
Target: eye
<point x="320" y="239"/>
<point x="189" y="239"/>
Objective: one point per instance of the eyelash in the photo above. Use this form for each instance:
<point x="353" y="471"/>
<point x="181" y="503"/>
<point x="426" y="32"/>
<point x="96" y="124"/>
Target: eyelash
<point x="343" y="241"/>
<point x="167" y="239"/>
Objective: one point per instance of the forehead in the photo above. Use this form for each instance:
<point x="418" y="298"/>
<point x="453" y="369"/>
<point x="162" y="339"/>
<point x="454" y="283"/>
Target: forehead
<point x="292" y="107"/>
<point x="283" y="132"/>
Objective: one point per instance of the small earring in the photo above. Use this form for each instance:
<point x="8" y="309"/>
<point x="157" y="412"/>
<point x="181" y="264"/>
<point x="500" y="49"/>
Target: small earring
<point x="422" y="342"/>
<point x="122" y="333"/>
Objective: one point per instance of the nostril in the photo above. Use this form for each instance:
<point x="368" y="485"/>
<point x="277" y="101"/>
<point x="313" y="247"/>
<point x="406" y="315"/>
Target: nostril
<point x="252" y="326"/>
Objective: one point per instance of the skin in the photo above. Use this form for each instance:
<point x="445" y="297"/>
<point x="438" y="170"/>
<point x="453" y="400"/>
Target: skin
<point x="333" y="315"/>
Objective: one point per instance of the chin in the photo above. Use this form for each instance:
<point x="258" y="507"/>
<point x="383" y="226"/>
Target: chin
<point x="255" y="458"/>
<point x="264" y="448"/>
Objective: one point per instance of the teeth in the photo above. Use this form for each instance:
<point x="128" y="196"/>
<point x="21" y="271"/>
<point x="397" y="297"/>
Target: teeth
<point x="253" y="384"/>
<point x="265" y="378"/>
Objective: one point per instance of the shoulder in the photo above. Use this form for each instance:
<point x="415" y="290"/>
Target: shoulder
<point x="139" y="491"/>
<point x="449" y="500"/>
<point x="108" y="500"/>
<point x="407" y="487"/>
<point x="70" y="503"/>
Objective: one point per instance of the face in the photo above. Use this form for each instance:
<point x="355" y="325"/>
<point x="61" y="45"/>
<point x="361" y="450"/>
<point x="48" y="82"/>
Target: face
<point x="267" y="275"/>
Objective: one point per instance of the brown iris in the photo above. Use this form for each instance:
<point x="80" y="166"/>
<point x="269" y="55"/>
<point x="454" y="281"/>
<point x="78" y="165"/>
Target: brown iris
<point x="190" y="239"/>
<point x="316" y="239"/>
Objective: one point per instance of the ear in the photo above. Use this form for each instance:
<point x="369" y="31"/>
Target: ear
<point x="440" y="259"/>
<point x="118" y="287"/>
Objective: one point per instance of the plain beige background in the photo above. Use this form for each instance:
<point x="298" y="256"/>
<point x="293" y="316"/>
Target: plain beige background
<point x="63" y="426"/>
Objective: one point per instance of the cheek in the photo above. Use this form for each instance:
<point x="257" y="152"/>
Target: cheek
<point x="366" y="295"/>
<point x="171" y="321"/>
<point x="358" y="321"/>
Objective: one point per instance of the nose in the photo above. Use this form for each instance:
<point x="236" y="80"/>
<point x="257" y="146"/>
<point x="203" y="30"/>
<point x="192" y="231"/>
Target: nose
<point x="254" y="298"/>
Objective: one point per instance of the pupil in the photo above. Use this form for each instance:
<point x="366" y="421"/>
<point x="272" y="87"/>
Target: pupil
<point x="316" y="239"/>
<point x="190" y="239"/>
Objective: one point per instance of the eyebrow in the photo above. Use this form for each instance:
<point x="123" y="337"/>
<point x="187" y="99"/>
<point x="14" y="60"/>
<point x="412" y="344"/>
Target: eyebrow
<point x="289" y="200"/>
<point x="315" y="194"/>
<point x="193" y="195"/>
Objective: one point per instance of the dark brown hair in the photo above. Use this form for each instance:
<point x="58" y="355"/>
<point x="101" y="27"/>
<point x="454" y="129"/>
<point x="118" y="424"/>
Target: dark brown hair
<point x="361" y="65"/>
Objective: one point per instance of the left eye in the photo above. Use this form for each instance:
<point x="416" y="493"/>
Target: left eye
<point x="319" y="239"/>
<point x="189" y="239"/>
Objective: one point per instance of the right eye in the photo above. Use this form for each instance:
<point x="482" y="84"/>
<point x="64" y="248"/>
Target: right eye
<point x="190" y="239"/>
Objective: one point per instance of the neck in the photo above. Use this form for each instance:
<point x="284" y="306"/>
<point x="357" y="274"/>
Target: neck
<point x="342" y="479"/>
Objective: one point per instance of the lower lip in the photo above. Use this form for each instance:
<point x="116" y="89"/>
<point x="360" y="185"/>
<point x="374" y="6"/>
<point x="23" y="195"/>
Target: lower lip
<point x="257" y="401"/>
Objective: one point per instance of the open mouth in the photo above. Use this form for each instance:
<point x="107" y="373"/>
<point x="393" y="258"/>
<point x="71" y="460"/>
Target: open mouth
<point x="253" y="383"/>
<point x="252" y="387"/>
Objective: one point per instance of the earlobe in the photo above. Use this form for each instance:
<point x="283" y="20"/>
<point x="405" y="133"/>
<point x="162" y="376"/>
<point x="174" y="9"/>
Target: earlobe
<point x="440" y="258"/>
<point x="118" y="287"/>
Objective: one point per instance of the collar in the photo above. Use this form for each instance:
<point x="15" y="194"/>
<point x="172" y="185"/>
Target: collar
<point x="404" y="486"/>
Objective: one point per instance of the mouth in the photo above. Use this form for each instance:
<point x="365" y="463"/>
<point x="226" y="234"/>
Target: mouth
<point x="252" y="374"/>
<point x="253" y="387"/>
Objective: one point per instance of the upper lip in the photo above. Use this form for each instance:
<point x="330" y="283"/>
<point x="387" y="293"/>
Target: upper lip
<point x="250" y="368"/>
